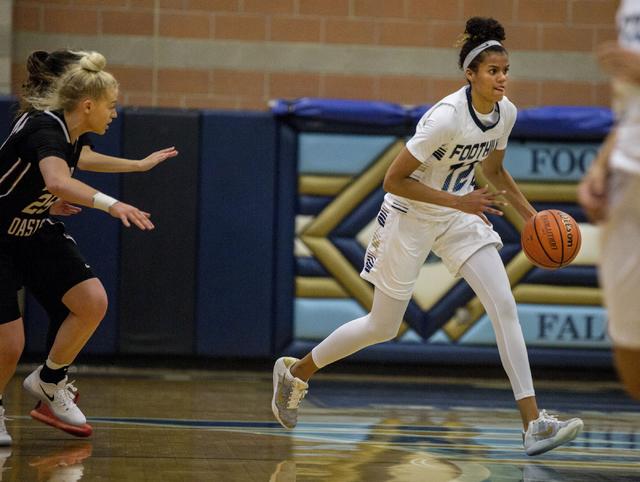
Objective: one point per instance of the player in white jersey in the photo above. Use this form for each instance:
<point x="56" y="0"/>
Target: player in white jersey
<point x="432" y="205"/>
<point x="610" y="191"/>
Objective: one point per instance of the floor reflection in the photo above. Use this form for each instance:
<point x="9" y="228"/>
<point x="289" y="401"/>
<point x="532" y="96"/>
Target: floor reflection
<point x="64" y="464"/>
<point x="285" y="472"/>
<point x="5" y="453"/>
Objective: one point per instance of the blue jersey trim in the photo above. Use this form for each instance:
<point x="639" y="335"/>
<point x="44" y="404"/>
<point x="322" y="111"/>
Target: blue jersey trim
<point x="482" y="127"/>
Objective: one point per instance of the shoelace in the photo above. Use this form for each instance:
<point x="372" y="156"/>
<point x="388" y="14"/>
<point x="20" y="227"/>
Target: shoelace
<point x="546" y="416"/>
<point x="296" y="395"/>
<point x="67" y="394"/>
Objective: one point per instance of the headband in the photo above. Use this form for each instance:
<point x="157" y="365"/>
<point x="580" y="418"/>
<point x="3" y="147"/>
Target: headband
<point x="474" y="53"/>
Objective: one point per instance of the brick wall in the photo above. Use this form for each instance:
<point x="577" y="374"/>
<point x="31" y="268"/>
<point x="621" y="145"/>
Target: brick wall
<point x="239" y="54"/>
<point x="5" y="46"/>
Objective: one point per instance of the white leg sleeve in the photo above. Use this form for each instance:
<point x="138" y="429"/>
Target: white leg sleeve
<point x="485" y="273"/>
<point x="380" y="325"/>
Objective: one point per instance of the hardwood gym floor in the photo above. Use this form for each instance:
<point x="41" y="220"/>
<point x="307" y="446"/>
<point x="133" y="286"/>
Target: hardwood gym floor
<point x="203" y="425"/>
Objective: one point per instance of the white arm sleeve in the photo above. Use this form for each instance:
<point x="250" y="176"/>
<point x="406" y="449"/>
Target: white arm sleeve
<point x="436" y="128"/>
<point x="510" y="115"/>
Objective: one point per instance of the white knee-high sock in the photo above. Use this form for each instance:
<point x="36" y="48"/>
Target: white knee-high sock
<point x="380" y="325"/>
<point x="485" y="273"/>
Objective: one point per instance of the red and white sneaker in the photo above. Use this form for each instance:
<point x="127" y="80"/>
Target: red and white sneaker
<point x="58" y="397"/>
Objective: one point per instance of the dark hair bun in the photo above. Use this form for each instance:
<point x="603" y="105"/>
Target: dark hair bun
<point x="481" y="29"/>
<point x="477" y="31"/>
<point x="36" y="62"/>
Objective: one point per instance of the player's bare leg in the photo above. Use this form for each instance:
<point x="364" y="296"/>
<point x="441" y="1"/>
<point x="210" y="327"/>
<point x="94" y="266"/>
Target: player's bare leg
<point x="87" y="302"/>
<point x="303" y="369"/>
<point x="11" y="346"/>
<point x="627" y="363"/>
<point x="528" y="410"/>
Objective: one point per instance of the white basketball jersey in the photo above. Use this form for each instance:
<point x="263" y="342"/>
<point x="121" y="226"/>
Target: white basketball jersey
<point x="626" y="96"/>
<point x="450" y="139"/>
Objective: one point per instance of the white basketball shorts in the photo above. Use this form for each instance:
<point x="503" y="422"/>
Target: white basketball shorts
<point x="620" y="260"/>
<point x="401" y="242"/>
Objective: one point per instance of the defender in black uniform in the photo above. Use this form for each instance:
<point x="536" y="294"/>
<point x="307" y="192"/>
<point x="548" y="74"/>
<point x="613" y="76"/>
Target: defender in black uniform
<point x="45" y="69"/>
<point x="36" y="164"/>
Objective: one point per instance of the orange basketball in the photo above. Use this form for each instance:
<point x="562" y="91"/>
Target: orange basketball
<point x="551" y="239"/>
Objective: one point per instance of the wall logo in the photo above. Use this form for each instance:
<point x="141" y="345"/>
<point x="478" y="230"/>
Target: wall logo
<point x="547" y="161"/>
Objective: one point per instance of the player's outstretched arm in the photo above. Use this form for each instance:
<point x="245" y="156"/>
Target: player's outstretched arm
<point x="60" y="184"/>
<point x="96" y="162"/>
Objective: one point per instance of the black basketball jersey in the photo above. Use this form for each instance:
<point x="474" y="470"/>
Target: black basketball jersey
<point x="24" y="197"/>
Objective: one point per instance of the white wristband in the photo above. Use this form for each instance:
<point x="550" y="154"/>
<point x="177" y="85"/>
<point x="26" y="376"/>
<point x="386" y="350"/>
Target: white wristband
<point x="102" y="201"/>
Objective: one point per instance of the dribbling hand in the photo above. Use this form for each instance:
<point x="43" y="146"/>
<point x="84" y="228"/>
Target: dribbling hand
<point x="129" y="214"/>
<point x="480" y="201"/>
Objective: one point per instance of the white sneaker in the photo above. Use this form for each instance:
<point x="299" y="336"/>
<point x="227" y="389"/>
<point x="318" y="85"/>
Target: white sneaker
<point x="5" y="438"/>
<point x="59" y="397"/>
<point x="287" y="392"/>
<point x="547" y="433"/>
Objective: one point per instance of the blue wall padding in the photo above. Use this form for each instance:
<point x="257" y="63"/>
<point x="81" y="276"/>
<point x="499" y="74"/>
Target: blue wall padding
<point x="541" y="161"/>
<point x="284" y="218"/>
<point x="310" y="266"/>
<point x="509" y="251"/>
<point x="361" y="216"/>
<point x="563" y="123"/>
<point x="339" y="154"/>
<point x="237" y="244"/>
<point x="8" y="109"/>
<point x="312" y="205"/>
<point x="568" y="276"/>
<point x="342" y="110"/>
<point x="550" y="325"/>
<point x="97" y="236"/>
<point x="316" y="318"/>
<point x="504" y="228"/>
<point x="158" y="267"/>
<point x="555" y="122"/>
<point x="573" y="210"/>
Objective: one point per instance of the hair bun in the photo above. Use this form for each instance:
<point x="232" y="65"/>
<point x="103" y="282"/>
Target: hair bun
<point x="481" y="29"/>
<point x="93" y="62"/>
<point x="36" y="62"/>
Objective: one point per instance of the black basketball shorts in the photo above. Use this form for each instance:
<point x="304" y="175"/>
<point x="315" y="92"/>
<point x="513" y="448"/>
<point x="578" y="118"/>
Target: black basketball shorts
<point x="48" y="263"/>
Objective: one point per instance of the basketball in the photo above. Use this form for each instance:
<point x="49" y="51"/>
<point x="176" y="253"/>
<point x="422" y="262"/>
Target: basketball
<point x="551" y="239"/>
